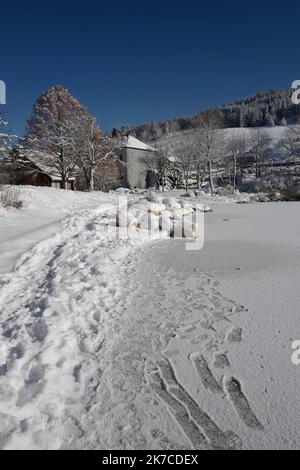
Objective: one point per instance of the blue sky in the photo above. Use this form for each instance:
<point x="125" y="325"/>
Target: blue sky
<point x="134" y="61"/>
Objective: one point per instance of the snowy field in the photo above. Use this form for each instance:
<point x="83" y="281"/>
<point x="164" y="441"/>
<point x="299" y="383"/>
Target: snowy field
<point x="115" y="344"/>
<point x="274" y="136"/>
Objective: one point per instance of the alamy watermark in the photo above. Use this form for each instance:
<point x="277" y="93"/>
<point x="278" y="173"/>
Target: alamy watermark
<point x="296" y="353"/>
<point x="2" y="92"/>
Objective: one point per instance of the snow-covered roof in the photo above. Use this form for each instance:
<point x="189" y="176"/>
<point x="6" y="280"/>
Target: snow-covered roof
<point x="134" y="143"/>
<point x="38" y="160"/>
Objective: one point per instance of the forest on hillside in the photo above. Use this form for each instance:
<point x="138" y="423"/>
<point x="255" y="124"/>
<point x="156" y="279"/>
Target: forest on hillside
<point x="268" y="108"/>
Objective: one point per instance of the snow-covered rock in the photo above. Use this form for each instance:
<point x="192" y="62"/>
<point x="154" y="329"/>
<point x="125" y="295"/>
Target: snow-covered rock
<point x="126" y="219"/>
<point x="178" y="214"/>
<point x="145" y="206"/>
<point x="155" y="198"/>
<point x="149" y="222"/>
<point x="187" y="208"/>
<point x="122" y="191"/>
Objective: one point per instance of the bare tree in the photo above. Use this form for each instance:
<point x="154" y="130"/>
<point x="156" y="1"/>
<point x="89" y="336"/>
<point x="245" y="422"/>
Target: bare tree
<point x="165" y="163"/>
<point x="291" y="143"/>
<point x="200" y="162"/>
<point x="92" y="150"/>
<point x="184" y="152"/>
<point x="211" y="145"/>
<point x="259" y="146"/>
<point x="52" y="129"/>
<point x="236" y="147"/>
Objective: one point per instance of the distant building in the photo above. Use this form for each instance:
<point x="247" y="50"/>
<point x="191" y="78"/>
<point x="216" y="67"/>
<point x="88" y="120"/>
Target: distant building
<point x="29" y="170"/>
<point x="133" y="166"/>
<point x="138" y="158"/>
<point x="50" y="178"/>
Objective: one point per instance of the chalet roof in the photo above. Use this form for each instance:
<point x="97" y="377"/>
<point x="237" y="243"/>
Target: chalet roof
<point x="36" y="159"/>
<point x="134" y="143"/>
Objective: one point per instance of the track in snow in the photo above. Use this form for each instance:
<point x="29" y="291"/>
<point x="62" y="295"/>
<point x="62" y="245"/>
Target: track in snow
<point x="98" y="342"/>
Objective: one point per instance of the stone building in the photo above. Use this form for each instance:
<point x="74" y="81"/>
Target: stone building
<point x="139" y="163"/>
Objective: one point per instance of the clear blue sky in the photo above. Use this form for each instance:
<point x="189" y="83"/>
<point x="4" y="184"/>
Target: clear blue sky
<point x="134" y="61"/>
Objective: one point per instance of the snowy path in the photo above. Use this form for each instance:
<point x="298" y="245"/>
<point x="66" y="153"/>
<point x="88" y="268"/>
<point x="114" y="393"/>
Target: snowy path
<point x="143" y="339"/>
<point x="41" y="216"/>
<point x="92" y="347"/>
<point x="110" y="347"/>
<point x="51" y="323"/>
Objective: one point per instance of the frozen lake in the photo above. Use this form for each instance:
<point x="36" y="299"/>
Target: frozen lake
<point x="254" y="252"/>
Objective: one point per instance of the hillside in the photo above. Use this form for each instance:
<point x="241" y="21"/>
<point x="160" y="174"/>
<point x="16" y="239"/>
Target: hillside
<point x="267" y="108"/>
<point x="274" y="136"/>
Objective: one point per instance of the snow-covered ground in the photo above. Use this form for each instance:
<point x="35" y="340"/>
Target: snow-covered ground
<point x="41" y="215"/>
<point x="246" y="314"/>
<point x="274" y="136"/>
<point x="116" y="344"/>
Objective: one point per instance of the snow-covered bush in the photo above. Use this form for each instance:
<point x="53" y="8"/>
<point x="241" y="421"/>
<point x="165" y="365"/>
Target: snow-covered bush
<point x="10" y="197"/>
<point x="155" y="198"/>
<point x="186" y="207"/>
<point x="200" y="192"/>
<point x="178" y="214"/>
<point x="226" y="191"/>
<point x="189" y="194"/>
<point x="122" y="191"/>
<point x="291" y="194"/>
<point x="260" y="197"/>
<point x="171" y="203"/>
<point x="276" y="197"/>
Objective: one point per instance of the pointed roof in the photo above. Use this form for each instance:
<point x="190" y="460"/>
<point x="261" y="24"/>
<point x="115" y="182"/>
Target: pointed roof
<point x="131" y="142"/>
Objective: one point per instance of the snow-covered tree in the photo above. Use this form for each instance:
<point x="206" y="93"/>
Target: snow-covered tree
<point x="291" y="142"/>
<point x="53" y="128"/>
<point x="259" y="145"/>
<point x="236" y="147"/>
<point x="14" y="165"/>
<point x="200" y="162"/>
<point x="6" y="138"/>
<point x="283" y="122"/>
<point x="257" y="110"/>
<point x="184" y="152"/>
<point x="159" y="164"/>
<point x="164" y="164"/>
<point x="211" y="144"/>
<point x="269" y="119"/>
<point x="92" y="150"/>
